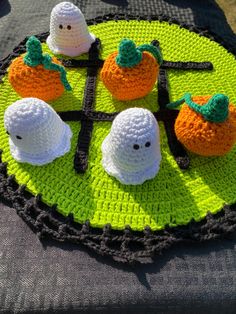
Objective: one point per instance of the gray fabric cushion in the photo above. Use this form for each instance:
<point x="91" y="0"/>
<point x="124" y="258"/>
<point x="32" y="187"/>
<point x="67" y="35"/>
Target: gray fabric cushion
<point x="21" y="18"/>
<point x="49" y="276"/>
<point x="52" y="277"/>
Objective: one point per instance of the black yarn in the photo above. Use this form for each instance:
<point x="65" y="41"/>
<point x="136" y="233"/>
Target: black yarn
<point x="85" y="134"/>
<point x="99" y="116"/>
<point x="187" y="65"/>
<point x="82" y="149"/>
<point x="72" y="63"/>
<point x="176" y="148"/>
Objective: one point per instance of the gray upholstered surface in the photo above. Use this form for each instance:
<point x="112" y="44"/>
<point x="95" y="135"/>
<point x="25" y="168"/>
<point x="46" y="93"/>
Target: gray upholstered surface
<point x="20" y="18"/>
<point x="48" y="276"/>
<point x="52" y="277"/>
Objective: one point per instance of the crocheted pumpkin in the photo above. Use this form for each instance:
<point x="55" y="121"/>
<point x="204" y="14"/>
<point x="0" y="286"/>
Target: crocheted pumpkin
<point x="131" y="72"/>
<point x="38" y="75"/>
<point x="206" y="125"/>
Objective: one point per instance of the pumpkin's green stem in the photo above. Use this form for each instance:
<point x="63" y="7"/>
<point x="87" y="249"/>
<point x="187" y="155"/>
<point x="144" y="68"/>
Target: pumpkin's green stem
<point x="34" y="57"/>
<point x="129" y="55"/>
<point x="215" y="110"/>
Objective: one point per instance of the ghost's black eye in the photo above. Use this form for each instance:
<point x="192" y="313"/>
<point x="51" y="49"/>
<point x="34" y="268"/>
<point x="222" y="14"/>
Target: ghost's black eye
<point x="18" y="137"/>
<point x="61" y="26"/>
<point x="68" y="27"/>
<point x="7" y="132"/>
<point x="136" y="146"/>
<point x="148" y="144"/>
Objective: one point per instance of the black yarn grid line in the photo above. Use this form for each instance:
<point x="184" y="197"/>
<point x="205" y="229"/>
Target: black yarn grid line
<point x="85" y="134"/>
<point x="179" y="65"/>
<point x="176" y="148"/>
<point x="87" y="115"/>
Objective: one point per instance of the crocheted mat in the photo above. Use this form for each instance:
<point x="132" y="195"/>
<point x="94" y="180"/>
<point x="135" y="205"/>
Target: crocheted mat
<point x="175" y="196"/>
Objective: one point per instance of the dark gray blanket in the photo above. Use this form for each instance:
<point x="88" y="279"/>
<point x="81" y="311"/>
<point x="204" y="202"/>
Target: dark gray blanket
<point x="51" y="277"/>
<point x="20" y="18"/>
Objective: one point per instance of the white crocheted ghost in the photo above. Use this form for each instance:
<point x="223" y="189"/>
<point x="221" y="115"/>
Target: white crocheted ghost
<point x="131" y="151"/>
<point x="37" y="133"/>
<point x="69" y="33"/>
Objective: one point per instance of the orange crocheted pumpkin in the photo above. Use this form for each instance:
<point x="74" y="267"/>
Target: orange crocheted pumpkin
<point x="38" y="75"/>
<point x="132" y="72"/>
<point x="206" y="125"/>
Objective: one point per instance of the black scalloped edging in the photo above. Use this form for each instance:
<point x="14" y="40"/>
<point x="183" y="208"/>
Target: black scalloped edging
<point x="124" y="246"/>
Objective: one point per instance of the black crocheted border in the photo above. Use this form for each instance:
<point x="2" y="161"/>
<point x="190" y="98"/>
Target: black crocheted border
<point x="124" y="246"/>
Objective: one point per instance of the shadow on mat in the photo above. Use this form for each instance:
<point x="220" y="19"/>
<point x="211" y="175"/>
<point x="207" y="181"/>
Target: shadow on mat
<point x="186" y="257"/>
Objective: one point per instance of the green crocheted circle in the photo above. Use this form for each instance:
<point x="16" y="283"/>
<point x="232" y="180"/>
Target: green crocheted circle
<point x="174" y="197"/>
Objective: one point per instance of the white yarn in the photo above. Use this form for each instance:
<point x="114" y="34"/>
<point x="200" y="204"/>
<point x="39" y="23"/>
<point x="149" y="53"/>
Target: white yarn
<point x="70" y="42"/>
<point x="134" y="126"/>
<point x="37" y="135"/>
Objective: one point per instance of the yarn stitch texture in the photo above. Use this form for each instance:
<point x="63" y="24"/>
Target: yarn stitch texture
<point x="131" y="151"/>
<point x="130" y="73"/>
<point x="85" y="133"/>
<point x="215" y="110"/>
<point x="37" y="135"/>
<point x="202" y="136"/>
<point x="69" y="34"/>
<point x="37" y="75"/>
<point x="123" y="246"/>
<point x="213" y="172"/>
<point x="35" y="57"/>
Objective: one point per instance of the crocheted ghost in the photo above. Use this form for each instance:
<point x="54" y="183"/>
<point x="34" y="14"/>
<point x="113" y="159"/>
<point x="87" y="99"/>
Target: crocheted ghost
<point x="131" y="151"/>
<point x="69" y="33"/>
<point x="37" y="133"/>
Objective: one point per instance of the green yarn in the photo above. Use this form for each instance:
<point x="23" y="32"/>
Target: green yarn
<point x="129" y="55"/>
<point x="49" y="65"/>
<point x="174" y="197"/>
<point x="215" y="110"/>
<point x="34" y="54"/>
<point x="176" y="103"/>
<point x="34" y="57"/>
<point x="153" y="50"/>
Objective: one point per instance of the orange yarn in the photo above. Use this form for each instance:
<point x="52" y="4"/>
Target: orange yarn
<point x="35" y="81"/>
<point x="130" y="83"/>
<point x="203" y="137"/>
